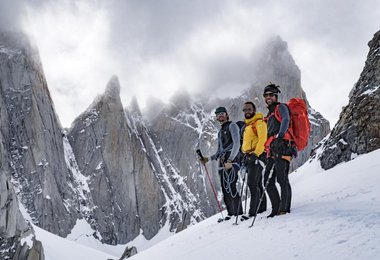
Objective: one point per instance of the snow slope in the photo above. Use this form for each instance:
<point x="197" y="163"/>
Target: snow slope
<point x="58" y="248"/>
<point x="335" y="215"/>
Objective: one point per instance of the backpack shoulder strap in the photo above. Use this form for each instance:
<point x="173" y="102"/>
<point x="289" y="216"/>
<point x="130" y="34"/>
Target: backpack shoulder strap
<point x="254" y="128"/>
<point x="277" y="113"/>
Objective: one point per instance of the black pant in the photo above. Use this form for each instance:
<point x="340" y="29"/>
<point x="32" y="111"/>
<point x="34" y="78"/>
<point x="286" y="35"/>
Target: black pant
<point x="231" y="196"/>
<point x="254" y="182"/>
<point x="280" y="173"/>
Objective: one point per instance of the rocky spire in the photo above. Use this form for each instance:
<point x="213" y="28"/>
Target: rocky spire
<point x="275" y="64"/>
<point x="109" y="152"/>
<point x="113" y="88"/>
<point x="358" y="128"/>
<point x="134" y="107"/>
<point x="33" y="138"/>
<point x="101" y="143"/>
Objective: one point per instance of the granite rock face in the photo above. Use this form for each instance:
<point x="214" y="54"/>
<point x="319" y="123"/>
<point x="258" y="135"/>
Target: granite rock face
<point x="358" y="128"/>
<point x="102" y="145"/>
<point x="181" y="207"/>
<point x="179" y="130"/>
<point x="132" y="183"/>
<point x="33" y="138"/>
<point x="13" y="227"/>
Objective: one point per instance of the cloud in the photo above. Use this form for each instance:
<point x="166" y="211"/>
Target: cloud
<point x="156" y="27"/>
<point x="73" y="42"/>
<point x="157" y="47"/>
<point x="11" y="15"/>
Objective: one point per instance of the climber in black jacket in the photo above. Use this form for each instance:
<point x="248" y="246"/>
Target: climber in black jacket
<point x="227" y="153"/>
<point x="280" y="152"/>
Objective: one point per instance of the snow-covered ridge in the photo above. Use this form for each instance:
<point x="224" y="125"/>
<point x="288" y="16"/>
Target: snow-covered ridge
<point x="196" y="119"/>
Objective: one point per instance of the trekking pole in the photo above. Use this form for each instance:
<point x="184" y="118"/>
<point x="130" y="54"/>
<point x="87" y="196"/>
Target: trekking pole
<point x="198" y="151"/>
<point x="241" y="196"/>
<point x="262" y="196"/>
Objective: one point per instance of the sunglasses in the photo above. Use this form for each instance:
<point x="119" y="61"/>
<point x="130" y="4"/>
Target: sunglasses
<point x="269" y="94"/>
<point x="220" y="114"/>
<point x="247" y="109"/>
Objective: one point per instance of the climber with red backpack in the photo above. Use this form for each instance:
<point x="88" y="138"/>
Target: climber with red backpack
<point x="288" y="133"/>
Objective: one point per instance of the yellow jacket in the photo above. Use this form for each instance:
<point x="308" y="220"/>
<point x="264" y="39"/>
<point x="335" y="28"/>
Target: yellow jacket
<point x="255" y="135"/>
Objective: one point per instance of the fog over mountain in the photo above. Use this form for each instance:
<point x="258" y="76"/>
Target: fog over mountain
<point x="204" y="46"/>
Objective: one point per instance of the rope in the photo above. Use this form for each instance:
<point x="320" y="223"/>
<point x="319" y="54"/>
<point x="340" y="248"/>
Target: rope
<point x="229" y="176"/>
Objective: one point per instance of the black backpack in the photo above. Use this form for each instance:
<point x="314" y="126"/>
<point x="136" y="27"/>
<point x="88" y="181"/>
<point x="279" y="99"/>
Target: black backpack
<point x="241" y="126"/>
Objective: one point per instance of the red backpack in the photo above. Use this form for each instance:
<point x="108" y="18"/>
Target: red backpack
<point x="299" y="127"/>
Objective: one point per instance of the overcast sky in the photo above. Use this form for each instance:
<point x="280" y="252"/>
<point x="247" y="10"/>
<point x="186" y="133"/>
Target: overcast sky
<point x="159" y="46"/>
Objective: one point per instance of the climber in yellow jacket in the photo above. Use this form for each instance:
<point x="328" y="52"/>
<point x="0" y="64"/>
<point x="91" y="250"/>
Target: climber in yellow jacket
<point x="254" y="138"/>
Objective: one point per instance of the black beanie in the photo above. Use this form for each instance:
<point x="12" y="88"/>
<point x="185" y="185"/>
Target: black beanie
<point x="220" y="110"/>
<point x="272" y="88"/>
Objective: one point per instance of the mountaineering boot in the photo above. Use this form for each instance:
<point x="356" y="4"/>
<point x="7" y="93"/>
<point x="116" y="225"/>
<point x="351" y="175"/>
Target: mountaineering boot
<point x="228" y="217"/>
<point x="244" y="217"/>
<point x="281" y="213"/>
<point x="272" y="214"/>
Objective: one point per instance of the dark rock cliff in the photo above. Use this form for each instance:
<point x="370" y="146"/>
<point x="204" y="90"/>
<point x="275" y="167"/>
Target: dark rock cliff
<point x="358" y="128"/>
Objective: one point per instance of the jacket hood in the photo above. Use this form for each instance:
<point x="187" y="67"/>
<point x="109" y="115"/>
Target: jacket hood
<point x="252" y="120"/>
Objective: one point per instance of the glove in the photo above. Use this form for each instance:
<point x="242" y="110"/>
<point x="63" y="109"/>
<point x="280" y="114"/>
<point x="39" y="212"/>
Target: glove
<point x="251" y="159"/>
<point x="203" y="160"/>
<point x="263" y="158"/>
<point x="228" y="165"/>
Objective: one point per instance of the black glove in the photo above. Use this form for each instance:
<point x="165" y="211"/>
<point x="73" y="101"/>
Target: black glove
<point x="204" y="160"/>
<point x="251" y="159"/>
<point x="263" y="157"/>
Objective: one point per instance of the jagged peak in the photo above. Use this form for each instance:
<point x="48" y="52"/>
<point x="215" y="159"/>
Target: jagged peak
<point x="271" y="64"/>
<point x="369" y="82"/>
<point x="154" y="107"/>
<point x="276" y="51"/>
<point x="375" y="42"/>
<point x="15" y="40"/>
<point x="110" y="95"/>
<point x="19" y="43"/>
<point x="181" y="98"/>
<point x="113" y="87"/>
<point x="276" y="42"/>
<point x="134" y="106"/>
